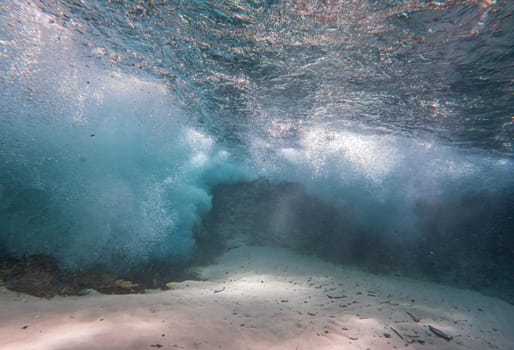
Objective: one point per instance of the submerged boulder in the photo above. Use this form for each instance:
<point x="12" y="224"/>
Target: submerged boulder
<point x="36" y="275"/>
<point x="40" y="276"/>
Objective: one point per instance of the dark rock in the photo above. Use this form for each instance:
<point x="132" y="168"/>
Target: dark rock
<point x="35" y="275"/>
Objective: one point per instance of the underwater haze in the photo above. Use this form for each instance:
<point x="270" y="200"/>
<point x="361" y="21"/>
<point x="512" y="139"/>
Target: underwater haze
<point x="376" y="133"/>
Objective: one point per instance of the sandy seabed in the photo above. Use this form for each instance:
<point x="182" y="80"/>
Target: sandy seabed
<point x="264" y="298"/>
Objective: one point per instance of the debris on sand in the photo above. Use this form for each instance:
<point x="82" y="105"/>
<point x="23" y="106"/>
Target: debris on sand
<point x="440" y="333"/>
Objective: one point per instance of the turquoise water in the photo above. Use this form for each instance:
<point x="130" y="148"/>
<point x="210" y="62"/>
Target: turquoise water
<point x="120" y="121"/>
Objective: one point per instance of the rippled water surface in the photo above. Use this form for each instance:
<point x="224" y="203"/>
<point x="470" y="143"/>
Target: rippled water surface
<point x="273" y="68"/>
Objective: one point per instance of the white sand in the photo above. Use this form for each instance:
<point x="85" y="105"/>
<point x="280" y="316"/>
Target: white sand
<point x="263" y="298"/>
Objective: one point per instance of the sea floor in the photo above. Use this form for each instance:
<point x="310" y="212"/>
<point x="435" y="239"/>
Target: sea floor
<point x="264" y="298"/>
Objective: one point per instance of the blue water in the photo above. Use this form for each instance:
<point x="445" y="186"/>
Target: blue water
<point x="117" y="119"/>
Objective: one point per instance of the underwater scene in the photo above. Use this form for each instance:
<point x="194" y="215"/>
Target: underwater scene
<point x="256" y="174"/>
